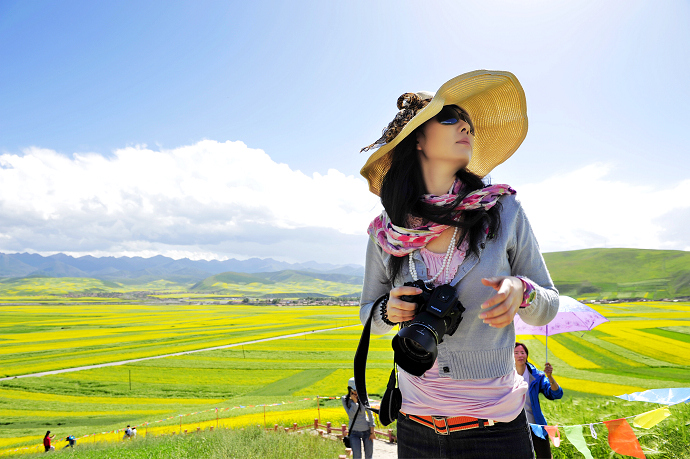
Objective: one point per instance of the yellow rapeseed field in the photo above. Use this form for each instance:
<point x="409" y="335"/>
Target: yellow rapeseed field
<point x="598" y="387"/>
<point x="377" y="379"/>
<point x="573" y="359"/>
<point x="93" y="399"/>
<point x="620" y="356"/>
<point x="90" y="334"/>
<point x="655" y="346"/>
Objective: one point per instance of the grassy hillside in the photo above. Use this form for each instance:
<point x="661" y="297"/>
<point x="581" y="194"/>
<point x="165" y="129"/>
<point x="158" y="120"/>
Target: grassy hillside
<point x="292" y="284"/>
<point x="621" y="273"/>
<point x="301" y="276"/>
<point x="228" y="278"/>
<point x="247" y="443"/>
<point x="585" y="274"/>
<point x="281" y="283"/>
<point x="40" y="286"/>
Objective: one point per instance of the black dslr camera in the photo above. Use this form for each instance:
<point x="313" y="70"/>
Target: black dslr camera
<point x="439" y="312"/>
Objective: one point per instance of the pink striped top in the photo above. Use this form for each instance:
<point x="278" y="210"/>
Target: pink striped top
<point x="500" y="399"/>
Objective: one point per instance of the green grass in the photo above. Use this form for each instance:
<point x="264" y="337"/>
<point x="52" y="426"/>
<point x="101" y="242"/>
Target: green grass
<point x="679" y="336"/>
<point x="286" y="386"/>
<point x="249" y="443"/>
<point x="668" y="439"/>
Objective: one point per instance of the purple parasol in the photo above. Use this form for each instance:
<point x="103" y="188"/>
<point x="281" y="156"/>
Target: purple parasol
<point x="572" y="316"/>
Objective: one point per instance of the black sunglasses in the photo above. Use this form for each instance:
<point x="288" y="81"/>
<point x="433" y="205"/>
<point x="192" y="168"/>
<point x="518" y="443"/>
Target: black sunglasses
<point x="452" y="115"/>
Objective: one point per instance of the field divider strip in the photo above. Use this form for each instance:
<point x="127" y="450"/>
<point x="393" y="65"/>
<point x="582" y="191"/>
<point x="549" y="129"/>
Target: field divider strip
<point x="176" y="354"/>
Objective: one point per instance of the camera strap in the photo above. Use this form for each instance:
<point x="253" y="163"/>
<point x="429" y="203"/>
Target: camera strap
<point x="361" y="360"/>
<point x="392" y="399"/>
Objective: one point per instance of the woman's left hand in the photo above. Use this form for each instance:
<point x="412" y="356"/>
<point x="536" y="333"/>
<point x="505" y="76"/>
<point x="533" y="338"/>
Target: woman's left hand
<point x="502" y="306"/>
<point x="372" y="436"/>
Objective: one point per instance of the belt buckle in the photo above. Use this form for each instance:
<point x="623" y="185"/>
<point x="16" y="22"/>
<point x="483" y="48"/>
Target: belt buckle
<point x="445" y="421"/>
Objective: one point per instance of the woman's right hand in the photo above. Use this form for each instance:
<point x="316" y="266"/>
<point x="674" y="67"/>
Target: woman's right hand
<point x="399" y="310"/>
<point x="548" y="371"/>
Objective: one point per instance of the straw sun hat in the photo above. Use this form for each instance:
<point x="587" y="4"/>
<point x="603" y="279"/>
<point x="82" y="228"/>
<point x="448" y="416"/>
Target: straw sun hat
<point x="495" y="102"/>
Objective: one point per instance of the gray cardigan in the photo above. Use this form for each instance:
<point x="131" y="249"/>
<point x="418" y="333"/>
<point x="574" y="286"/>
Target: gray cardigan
<point x="476" y="350"/>
<point x="363" y="423"/>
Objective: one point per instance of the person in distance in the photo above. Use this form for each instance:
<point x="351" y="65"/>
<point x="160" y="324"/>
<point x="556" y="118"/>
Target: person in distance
<point x="361" y="433"/>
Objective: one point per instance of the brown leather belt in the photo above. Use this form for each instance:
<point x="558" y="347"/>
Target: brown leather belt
<point x="445" y="426"/>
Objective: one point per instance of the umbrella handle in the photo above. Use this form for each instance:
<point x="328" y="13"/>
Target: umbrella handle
<point x="547" y="343"/>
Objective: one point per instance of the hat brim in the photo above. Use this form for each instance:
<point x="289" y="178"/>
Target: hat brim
<point x="497" y="107"/>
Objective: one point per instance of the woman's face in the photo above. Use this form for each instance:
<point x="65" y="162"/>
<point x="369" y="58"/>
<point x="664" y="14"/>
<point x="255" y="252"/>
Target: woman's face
<point x="448" y="137"/>
<point x="520" y="356"/>
<point x="353" y="395"/>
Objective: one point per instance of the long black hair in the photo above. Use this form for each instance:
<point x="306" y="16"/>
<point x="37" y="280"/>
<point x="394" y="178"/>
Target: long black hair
<point x="517" y="343"/>
<point x="348" y="399"/>
<point x="402" y="187"/>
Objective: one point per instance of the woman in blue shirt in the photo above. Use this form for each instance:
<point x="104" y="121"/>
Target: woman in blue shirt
<point x="538" y="381"/>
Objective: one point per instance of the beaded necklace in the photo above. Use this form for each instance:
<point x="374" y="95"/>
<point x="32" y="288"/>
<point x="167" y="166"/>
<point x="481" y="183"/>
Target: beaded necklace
<point x="444" y="265"/>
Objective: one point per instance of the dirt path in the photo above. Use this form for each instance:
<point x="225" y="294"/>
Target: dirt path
<point x="385" y="450"/>
<point x="123" y="362"/>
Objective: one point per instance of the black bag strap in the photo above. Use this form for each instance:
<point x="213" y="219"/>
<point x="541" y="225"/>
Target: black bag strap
<point x="361" y="360"/>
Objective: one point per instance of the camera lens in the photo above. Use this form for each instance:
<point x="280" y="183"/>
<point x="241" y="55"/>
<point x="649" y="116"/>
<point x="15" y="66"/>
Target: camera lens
<point x="413" y="348"/>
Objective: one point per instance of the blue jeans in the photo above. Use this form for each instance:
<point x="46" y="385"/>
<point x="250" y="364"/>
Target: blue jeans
<point x="505" y="440"/>
<point x="356" y="439"/>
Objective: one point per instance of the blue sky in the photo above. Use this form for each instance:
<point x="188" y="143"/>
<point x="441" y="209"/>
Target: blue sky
<point x="214" y="129"/>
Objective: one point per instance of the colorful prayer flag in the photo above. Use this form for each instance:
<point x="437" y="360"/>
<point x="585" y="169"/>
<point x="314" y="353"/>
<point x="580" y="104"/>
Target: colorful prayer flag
<point x="622" y="439"/>
<point x="554" y="434"/>
<point x="574" y="434"/>
<point x="651" y="418"/>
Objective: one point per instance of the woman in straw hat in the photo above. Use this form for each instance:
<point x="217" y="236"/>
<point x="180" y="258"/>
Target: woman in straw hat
<point x="442" y="225"/>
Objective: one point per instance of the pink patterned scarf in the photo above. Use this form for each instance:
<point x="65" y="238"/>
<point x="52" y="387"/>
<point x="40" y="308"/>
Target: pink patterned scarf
<point x="399" y="241"/>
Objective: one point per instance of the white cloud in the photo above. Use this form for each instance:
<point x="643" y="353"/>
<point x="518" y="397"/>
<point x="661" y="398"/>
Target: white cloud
<point x="205" y="200"/>
<point x="584" y="209"/>
<point x="225" y="200"/>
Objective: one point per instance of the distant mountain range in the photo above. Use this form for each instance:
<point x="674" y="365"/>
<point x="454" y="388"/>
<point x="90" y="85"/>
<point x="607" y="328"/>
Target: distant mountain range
<point x="141" y="270"/>
<point x="591" y="273"/>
